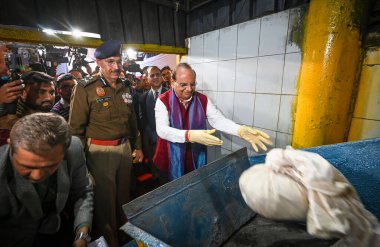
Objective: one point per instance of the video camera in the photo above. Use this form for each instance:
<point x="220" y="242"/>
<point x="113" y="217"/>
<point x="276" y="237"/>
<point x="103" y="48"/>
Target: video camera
<point x="55" y="55"/>
<point x="22" y="58"/>
<point x="132" y="67"/>
<point x="16" y="61"/>
<point x="79" y="55"/>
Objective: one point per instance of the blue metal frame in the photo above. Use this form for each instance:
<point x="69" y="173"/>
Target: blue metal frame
<point x="202" y="208"/>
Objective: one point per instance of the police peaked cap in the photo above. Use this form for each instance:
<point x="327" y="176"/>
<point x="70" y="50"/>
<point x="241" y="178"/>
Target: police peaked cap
<point x="110" y="48"/>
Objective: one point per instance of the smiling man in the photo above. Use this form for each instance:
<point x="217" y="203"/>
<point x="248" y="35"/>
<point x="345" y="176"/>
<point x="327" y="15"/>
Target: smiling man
<point x="41" y="170"/>
<point x="102" y="115"/>
<point x="181" y="115"/>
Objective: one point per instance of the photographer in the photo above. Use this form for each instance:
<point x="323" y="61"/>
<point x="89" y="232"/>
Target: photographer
<point x="9" y="92"/>
<point x="79" y="56"/>
<point x="37" y="96"/>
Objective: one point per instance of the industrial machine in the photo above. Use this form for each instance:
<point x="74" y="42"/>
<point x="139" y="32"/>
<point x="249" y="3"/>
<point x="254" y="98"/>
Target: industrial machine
<point x="205" y="207"/>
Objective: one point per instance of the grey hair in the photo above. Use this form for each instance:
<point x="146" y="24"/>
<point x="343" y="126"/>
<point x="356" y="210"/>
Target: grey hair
<point x="40" y="133"/>
<point x="184" y="66"/>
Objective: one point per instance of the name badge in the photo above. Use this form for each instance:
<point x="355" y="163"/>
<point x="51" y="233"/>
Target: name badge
<point x="102" y="100"/>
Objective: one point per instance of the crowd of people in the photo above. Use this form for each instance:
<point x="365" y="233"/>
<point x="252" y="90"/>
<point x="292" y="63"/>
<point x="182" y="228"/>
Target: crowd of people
<point x="76" y="154"/>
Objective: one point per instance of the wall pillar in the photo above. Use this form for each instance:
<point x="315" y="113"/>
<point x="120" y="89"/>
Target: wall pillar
<point x="328" y="75"/>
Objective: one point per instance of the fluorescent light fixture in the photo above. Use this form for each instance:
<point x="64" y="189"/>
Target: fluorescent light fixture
<point x="90" y="35"/>
<point x="75" y="33"/>
<point x="48" y="31"/>
<point x="131" y="53"/>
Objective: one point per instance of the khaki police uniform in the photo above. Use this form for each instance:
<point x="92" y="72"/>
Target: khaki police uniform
<point x="104" y="119"/>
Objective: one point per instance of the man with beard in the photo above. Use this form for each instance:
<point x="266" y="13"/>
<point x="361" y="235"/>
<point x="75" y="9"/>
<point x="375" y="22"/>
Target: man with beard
<point x="65" y="84"/>
<point x="102" y="116"/>
<point x="37" y="96"/>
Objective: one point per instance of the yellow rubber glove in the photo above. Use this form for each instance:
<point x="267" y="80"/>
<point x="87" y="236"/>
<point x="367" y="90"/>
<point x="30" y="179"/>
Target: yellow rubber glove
<point x="204" y="137"/>
<point x="255" y="137"/>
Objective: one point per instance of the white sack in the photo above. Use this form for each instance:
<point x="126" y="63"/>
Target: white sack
<point x="300" y="185"/>
<point x="274" y="196"/>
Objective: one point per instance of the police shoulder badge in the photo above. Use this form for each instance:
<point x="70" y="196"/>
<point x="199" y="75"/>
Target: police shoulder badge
<point x="100" y="91"/>
<point x="127" y="98"/>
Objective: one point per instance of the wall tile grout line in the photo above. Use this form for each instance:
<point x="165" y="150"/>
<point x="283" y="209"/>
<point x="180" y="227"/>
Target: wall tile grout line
<point x="257" y="66"/>
<point x="282" y="77"/>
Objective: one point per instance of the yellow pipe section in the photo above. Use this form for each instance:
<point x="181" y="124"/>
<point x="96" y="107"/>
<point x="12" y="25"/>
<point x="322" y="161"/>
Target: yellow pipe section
<point x="14" y="34"/>
<point x="25" y="35"/>
<point x="153" y="48"/>
<point x="328" y="74"/>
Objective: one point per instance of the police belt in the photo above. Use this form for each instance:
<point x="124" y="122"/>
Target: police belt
<point x="108" y="142"/>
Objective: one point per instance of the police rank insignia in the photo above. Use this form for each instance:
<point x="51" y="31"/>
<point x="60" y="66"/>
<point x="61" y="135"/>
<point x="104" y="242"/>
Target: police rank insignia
<point x="127" y="98"/>
<point x="100" y="91"/>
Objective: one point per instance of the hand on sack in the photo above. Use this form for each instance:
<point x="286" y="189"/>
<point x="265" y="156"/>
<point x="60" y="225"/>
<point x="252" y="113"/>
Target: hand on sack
<point x="137" y="156"/>
<point x="255" y="137"/>
<point x="204" y="137"/>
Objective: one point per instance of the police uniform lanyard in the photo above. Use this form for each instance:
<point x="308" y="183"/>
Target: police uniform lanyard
<point x="105" y="84"/>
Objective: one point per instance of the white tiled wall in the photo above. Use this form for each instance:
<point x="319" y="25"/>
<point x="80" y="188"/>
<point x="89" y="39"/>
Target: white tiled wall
<point x="269" y="74"/>
<point x="246" y="70"/>
<point x="250" y="72"/>
<point x="365" y="123"/>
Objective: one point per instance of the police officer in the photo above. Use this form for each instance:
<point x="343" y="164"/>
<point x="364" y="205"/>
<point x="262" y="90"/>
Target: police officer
<point x="102" y="115"/>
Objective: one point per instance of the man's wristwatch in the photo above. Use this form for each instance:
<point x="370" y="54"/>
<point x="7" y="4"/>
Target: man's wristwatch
<point x="83" y="235"/>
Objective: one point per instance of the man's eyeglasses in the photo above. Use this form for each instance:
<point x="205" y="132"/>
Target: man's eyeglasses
<point x="112" y="63"/>
<point x="183" y="85"/>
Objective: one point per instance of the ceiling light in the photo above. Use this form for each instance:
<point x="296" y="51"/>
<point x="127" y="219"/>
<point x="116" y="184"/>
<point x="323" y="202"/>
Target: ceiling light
<point x="48" y="31"/>
<point x="76" y="33"/>
<point x="131" y="53"/>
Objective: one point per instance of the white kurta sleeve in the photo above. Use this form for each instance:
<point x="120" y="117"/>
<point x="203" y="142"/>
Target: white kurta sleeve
<point x="218" y="121"/>
<point x="163" y="128"/>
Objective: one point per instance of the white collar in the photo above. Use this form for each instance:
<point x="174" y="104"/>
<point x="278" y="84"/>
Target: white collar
<point x="185" y="102"/>
<point x="158" y="90"/>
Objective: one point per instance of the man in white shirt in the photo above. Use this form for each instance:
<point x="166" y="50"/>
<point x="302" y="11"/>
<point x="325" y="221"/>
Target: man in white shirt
<point x="181" y="115"/>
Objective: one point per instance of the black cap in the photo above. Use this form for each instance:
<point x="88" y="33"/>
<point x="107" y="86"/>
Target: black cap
<point x="110" y="48"/>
